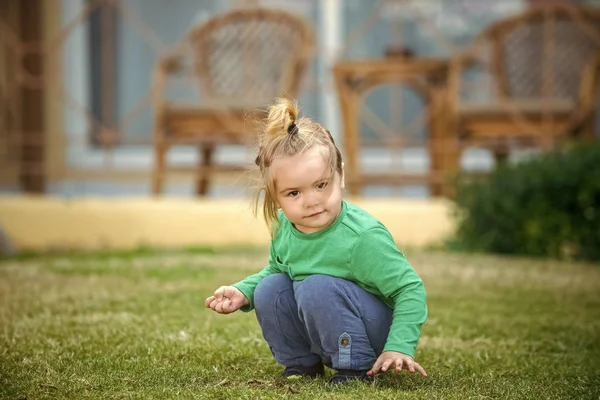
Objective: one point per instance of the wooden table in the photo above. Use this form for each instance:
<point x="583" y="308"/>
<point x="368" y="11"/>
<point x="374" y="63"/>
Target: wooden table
<point x="427" y="76"/>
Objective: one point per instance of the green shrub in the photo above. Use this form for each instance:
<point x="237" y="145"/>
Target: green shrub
<point x="546" y="206"/>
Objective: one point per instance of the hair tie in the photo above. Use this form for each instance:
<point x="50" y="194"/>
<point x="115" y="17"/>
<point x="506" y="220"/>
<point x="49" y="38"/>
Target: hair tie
<point x="293" y="128"/>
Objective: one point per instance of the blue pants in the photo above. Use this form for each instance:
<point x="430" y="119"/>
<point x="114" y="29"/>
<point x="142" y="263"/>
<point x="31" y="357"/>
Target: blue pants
<point x="321" y="319"/>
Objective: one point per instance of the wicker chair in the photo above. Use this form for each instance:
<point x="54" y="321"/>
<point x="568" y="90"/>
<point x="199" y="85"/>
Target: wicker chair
<point x="241" y="61"/>
<point x="542" y="69"/>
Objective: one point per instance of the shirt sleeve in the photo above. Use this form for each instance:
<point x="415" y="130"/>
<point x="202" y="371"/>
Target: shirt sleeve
<point x="248" y="284"/>
<point x="377" y="263"/>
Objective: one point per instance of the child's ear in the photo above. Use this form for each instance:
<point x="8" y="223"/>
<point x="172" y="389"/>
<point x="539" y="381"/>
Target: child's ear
<point x="343" y="177"/>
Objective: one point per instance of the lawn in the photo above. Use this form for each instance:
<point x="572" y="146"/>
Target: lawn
<point x="133" y="326"/>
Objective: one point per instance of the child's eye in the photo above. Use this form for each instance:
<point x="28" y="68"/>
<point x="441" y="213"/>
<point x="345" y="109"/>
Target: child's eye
<point x="293" y="193"/>
<point x="322" y="185"/>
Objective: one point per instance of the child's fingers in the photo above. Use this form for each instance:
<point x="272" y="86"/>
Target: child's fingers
<point x="420" y="369"/>
<point x="214" y="304"/>
<point x="375" y="368"/>
<point x="224" y="307"/>
<point x="386" y="364"/>
<point x="222" y="301"/>
<point x="208" y="301"/>
<point x="220" y="292"/>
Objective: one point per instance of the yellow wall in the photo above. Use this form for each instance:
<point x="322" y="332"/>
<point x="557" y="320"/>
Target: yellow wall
<point x="39" y="223"/>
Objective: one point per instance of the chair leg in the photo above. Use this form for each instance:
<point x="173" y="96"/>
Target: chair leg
<point x="436" y="162"/>
<point x="158" y="175"/>
<point x="442" y="128"/>
<point x="451" y="166"/>
<point x="206" y="155"/>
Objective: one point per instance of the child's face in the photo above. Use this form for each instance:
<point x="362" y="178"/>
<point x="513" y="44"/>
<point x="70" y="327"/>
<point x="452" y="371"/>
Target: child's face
<point x="307" y="197"/>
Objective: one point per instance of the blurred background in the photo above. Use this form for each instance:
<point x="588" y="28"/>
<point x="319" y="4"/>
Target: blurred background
<point x="145" y="98"/>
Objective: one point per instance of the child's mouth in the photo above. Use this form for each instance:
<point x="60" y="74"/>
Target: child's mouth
<point x="315" y="214"/>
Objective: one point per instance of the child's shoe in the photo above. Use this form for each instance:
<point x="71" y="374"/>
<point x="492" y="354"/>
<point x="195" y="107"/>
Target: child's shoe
<point x="300" y="371"/>
<point x="345" y="375"/>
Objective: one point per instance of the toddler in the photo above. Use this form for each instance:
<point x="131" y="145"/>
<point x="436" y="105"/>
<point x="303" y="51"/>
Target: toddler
<point x="337" y="292"/>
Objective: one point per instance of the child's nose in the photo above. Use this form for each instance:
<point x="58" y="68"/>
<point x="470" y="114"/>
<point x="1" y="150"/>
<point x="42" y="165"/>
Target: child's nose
<point x="312" y="199"/>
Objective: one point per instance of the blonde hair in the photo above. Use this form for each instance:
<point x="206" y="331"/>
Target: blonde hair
<point x="283" y="134"/>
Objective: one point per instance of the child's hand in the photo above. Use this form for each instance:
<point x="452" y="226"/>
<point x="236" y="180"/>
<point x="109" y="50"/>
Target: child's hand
<point x="227" y="299"/>
<point x="397" y="361"/>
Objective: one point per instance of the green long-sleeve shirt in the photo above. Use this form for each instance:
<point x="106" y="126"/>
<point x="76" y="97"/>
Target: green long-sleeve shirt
<point x="359" y="248"/>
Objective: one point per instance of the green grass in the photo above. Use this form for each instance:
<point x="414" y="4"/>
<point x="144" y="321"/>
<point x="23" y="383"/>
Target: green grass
<point x="134" y="326"/>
